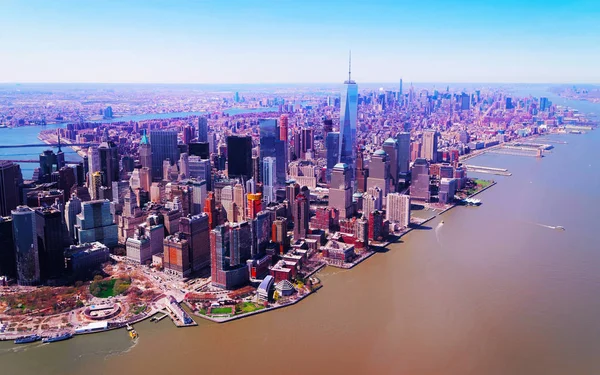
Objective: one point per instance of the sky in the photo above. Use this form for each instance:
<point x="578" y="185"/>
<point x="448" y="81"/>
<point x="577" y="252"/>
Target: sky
<point x="303" y="41"/>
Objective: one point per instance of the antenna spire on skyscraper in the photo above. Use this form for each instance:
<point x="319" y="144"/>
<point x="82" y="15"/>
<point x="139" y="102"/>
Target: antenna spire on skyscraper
<point x="350" y="66"/>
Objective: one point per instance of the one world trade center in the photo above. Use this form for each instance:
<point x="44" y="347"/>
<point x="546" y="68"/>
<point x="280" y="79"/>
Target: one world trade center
<point x="348" y="117"/>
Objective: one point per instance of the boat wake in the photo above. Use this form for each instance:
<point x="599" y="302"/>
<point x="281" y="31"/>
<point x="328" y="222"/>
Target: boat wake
<point x="117" y="353"/>
<point x="437" y="232"/>
<point x="555" y="227"/>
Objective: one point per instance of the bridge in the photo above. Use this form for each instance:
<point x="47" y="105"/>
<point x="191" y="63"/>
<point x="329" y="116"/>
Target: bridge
<point x="50" y="145"/>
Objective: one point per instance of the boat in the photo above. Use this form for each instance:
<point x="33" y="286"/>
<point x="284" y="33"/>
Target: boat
<point x="55" y="338"/>
<point x="558" y="227"/>
<point x="442" y="222"/>
<point x="472" y="201"/>
<point x="133" y="334"/>
<point x="27" y="339"/>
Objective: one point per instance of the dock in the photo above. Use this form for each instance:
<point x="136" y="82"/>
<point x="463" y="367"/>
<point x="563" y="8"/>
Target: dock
<point x="488" y="170"/>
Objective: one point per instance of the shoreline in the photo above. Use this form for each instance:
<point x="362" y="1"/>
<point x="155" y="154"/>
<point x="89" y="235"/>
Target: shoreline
<point x="153" y="311"/>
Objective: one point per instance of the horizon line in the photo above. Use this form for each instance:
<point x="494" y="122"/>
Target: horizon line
<point x="291" y="83"/>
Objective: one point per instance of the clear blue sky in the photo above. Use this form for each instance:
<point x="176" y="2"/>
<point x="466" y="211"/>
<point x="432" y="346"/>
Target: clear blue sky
<point x="299" y="41"/>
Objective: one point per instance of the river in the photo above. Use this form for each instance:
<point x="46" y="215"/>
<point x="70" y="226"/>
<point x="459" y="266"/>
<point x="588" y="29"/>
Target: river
<point x="491" y="291"/>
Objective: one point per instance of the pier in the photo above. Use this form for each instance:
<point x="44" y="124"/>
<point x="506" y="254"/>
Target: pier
<point x="488" y="170"/>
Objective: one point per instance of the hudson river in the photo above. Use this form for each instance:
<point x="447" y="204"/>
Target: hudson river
<point x="491" y="291"/>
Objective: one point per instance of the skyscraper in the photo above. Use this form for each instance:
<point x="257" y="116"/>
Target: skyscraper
<point x="332" y="145"/>
<point x="283" y="128"/>
<point x="403" y="140"/>
<point x="301" y="211"/>
<point x="379" y="172"/>
<point x="340" y="190"/>
<point x="8" y="262"/>
<point x="227" y="269"/>
<point x="392" y="149"/>
<point x="163" y="144"/>
<point x="271" y="145"/>
<point x="419" y="188"/>
<point x="430" y="145"/>
<point x="176" y="254"/>
<point x="26" y="246"/>
<point x="95" y="223"/>
<point x="202" y="129"/>
<point x="398" y="209"/>
<point x="465" y="101"/>
<point x="50" y="237"/>
<point x="10" y="178"/>
<point x="72" y="208"/>
<point x="348" y="118"/>
<point x="307" y="141"/>
<point x="269" y="178"/>
<point x="239" y="157"/>
<point x="109" y="162"/>
<point x="196" y="230"/>
<point x="254" y="205"/>
<point x="146" y="153"/>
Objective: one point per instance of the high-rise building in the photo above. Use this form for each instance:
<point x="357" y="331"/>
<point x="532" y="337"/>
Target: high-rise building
<point x="210" y="207"/>
<point x="465" y="101"/>
<point x="72" y="209"/>
<point x="328" y="127"/>
<point x="227" y="203"/>
<point x="239" y="201"/>
<point x="239" y="157"/>
<point x="8" y="261"/>
<point x="26" y="246"/>
<point x="333" y="148"/>
<point x="254" y="205"/>
<point x="261" y="233"/>
<point x="202" y="129"/>
<point x="271" y="145"/>
<point x="200" y="169"/>
<point x="256" y="169"/>
<point x="93" y="157"/>
<point x="379" y="172"/>
<point x="392" y="149"/>
<point x="10" y="178"/>
<point x="269" y="178"/>
<point x="51" y="243"/>
<point x="228" y="268"/>
<point x="50" y="163"/>
<point x="372" y="200"/>
<point x="348" y="119"/>
<point x="196" y="230"/>
<point x="109" y="162"/>
<point x="184" y="165"/>
<point x="176" y="255"/>
<point x="340" y="190"/>
<point x="403" y="140"/>
<point x="96" y="223"/>
<point x="398" y="209"/>
<point x="430" y="145"/>
<point x="145" y="151"/>
<point x="307" y="141"/>
<point x="362" y="173"/>
<point x="283" y="128"/>
<point x="163" y="144"/>
<point x="301" y="213"/>
<point x="279" y="234"/>
<point x="447" y="190"/>
<point x="419" y="187"/>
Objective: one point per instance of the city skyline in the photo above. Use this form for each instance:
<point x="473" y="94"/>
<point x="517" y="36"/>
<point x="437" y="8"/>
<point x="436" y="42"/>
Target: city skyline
<point x="507" y="42"/>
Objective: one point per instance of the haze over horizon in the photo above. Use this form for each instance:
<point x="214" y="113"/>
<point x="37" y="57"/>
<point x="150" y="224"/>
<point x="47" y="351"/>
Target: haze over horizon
<point x="308" y="42"/>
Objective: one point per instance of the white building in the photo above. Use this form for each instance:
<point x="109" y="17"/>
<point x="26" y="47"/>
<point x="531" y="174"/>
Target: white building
<point x="398" y="209"/>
